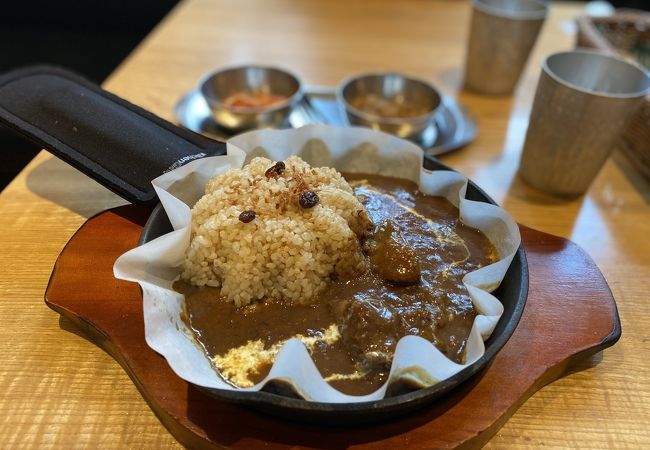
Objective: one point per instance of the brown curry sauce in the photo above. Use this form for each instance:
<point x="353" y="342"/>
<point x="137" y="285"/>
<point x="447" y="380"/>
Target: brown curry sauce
<point x="419" y="253"/>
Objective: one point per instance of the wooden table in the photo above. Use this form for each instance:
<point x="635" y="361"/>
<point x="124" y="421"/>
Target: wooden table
<point x="60" y="390"/>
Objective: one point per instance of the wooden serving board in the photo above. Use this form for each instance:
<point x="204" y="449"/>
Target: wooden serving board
<point x="570" y="314"/>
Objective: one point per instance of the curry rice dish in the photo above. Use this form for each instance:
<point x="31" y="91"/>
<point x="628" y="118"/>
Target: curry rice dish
<point x="347" y="264"/>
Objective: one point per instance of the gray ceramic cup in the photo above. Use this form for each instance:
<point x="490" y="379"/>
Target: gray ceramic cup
<point x="582" y="103"/>
<point x="502" y="34"/>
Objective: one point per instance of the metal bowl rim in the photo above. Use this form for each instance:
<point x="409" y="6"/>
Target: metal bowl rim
<point x="214" y="103"/>
<point x="369" y="117"/>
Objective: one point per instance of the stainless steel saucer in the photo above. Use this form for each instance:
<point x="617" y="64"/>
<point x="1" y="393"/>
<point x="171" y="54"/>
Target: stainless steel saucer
<point x="453" y="127"/>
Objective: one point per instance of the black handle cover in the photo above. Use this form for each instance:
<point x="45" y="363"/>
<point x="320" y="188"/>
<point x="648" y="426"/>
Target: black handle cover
<point x="115" y="142"/>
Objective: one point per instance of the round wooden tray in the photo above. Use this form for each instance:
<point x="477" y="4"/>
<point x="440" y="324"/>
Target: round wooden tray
<point x="570" y="314"/>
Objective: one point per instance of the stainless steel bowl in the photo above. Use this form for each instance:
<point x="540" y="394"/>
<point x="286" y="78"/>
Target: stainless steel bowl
<point x="217" y="86"/>
<point x="394" y="87"/>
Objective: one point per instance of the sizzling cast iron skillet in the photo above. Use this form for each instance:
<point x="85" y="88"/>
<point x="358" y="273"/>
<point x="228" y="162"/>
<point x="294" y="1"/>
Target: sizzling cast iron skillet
<point x="124" y="147"/>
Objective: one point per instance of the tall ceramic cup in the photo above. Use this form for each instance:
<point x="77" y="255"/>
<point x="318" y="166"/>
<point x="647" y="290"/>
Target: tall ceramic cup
<point x="502" y="34"/>
<point x="582" y="103"/>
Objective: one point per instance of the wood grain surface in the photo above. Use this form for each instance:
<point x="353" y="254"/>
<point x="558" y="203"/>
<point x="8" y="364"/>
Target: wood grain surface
<point x="83" y="289"/>
<point x="61" y="391"/>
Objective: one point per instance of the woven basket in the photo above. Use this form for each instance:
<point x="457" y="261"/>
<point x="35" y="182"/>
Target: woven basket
<point x="627" y="34"/>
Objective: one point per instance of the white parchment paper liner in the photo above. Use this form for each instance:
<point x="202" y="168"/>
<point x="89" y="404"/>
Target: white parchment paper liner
<point x="155" y="265"/>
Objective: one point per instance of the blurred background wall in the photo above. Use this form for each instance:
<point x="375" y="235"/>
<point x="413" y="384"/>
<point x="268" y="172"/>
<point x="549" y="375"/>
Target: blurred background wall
<point x="88" y="36"/>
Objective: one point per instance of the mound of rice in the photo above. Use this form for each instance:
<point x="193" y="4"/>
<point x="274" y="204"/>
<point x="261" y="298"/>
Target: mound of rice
<point x="286" y="252"/>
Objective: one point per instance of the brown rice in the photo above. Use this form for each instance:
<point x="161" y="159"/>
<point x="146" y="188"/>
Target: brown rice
<point x="286" y="252"/>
